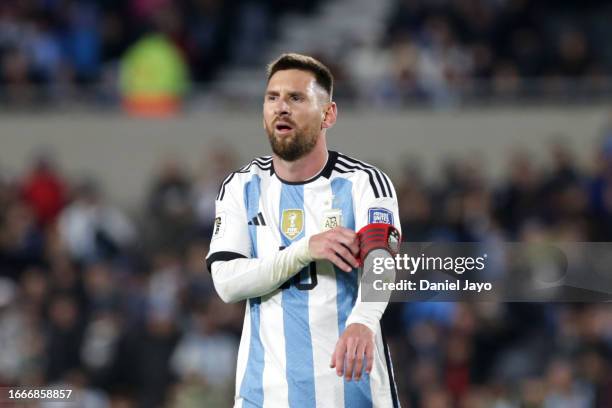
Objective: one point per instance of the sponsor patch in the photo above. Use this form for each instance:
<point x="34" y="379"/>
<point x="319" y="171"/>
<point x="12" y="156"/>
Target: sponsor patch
<point x="219" y="226"/>
<point x="380" y="215"/>
<point x="332" y="219"/>
<point x="292" y="223"/>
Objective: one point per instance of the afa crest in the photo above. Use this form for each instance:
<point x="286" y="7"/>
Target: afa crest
<point x="332" y="219"/>
<point x="292" y="223"/>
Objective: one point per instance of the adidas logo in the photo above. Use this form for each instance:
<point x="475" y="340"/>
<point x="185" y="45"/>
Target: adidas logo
<point x="258" y="220"/>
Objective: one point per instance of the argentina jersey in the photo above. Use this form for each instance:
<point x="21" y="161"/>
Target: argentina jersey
<point x="289" y="334"/>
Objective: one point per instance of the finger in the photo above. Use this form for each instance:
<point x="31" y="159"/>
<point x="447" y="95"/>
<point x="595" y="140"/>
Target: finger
<point x="340" y="352"/>
<point x="351" y="347"/>
<point x="353" y="245"/>
<point x="346" y="255"/>
<point x="369" y="354"/>
<point x="345" y="233"/>
<point x="359" y="360"/>
<point x="339" y="262"/>
<point x="343" y="230"/>
<point x="332" y="364"/>
<point x="344" y="252"/>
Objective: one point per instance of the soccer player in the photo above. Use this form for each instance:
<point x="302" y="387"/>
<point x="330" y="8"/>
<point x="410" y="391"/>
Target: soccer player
<point x="284" y="239"/>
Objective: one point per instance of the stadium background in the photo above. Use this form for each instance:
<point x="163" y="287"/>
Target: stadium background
<point x="491" y="117"/>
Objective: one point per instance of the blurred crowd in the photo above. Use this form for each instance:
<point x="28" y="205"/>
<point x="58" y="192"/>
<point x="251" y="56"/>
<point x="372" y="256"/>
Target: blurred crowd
<point x="446" y="49"/>
<point x="118" y="305"/>
<point x="56" y="48"/>
<point x="117" y="302"/>
<point x="430" y="50"/>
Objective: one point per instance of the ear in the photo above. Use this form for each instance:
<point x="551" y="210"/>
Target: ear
<point x="329" y="115"/>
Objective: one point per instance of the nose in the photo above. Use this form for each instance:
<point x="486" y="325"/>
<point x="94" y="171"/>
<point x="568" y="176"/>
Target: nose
<point x="282" y="108"/>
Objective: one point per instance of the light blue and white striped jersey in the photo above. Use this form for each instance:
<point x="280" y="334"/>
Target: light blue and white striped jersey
<point x="290" y="334"/>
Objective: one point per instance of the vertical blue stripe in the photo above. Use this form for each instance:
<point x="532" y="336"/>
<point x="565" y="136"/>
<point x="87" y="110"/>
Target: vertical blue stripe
<point x="251" y="388"/>
<point x="298" y="341"/>
<point x="356" y="393"/>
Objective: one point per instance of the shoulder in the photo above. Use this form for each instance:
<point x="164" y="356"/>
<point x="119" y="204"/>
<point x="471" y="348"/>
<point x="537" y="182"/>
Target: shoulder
<point x="364" y="174"/>
<point x="261" y="166"/>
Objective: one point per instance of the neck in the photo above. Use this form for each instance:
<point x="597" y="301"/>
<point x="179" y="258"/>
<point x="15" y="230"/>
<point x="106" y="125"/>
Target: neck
<point x="305" y="167"/>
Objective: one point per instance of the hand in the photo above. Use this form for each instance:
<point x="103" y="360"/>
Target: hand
<point x="356" y="342"/>
<point x="338" y="245"/>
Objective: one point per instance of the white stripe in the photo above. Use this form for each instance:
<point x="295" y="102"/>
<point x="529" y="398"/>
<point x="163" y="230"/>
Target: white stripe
<point x="379" y="377"/>
<point x="276" y="390"/>
<point x="222" y="188"/>
<point x="376" y="171"/>
<point x="263" y="160"/>
<point x="390" y="183"/>
<point x="322" y="311"/>
<point x="344" y="168"/>
<point x="275" y="386"/>
<point x="370" y="171"/>
<point x="270" y="209"/>
<point x="376" y="174"/>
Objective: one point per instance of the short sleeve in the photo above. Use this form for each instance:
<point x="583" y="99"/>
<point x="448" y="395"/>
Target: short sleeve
<point x="375" y="200"/>
<point x="230" y="237"/>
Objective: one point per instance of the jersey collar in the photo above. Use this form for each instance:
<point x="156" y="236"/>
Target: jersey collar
<point x="325" y="172"/>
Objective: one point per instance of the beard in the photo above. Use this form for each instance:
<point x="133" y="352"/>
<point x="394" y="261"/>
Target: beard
<point x="293" y="146"/>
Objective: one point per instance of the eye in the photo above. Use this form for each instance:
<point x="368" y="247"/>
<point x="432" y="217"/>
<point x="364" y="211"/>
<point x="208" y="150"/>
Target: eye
<point x="296" y="98"/>
<point x="270" y="97"/>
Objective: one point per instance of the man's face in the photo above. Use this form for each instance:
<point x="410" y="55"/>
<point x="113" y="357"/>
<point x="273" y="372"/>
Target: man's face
<point x="293" y="113"/>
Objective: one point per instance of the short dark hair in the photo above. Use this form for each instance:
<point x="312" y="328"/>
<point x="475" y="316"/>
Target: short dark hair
<point x="322" y="74"/>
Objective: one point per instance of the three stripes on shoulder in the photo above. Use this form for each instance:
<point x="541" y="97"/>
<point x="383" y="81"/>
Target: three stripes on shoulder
<point x="380" y="183"/>
<point x="258" y="220"/>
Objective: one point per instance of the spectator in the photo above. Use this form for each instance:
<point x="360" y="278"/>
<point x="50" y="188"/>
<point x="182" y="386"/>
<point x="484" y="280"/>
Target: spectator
<point x="92" y="229"/>
<point x="169" y="205"/>
<point x="207" y="354"/>
<point x="44" y="190"/>
<point x="149" y="331"/>
<point x="21" y="240"/>
<point x="64" y="338"/>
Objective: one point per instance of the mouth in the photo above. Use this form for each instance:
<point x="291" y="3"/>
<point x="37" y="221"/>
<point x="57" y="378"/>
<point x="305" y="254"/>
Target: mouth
<point x="283" y="127"/>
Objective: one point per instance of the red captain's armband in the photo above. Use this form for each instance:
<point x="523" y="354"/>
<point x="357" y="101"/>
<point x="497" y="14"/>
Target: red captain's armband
<point x="378" y="236"/>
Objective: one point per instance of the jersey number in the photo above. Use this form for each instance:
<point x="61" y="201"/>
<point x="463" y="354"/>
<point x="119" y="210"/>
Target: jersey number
<point x="298" y="282"/>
